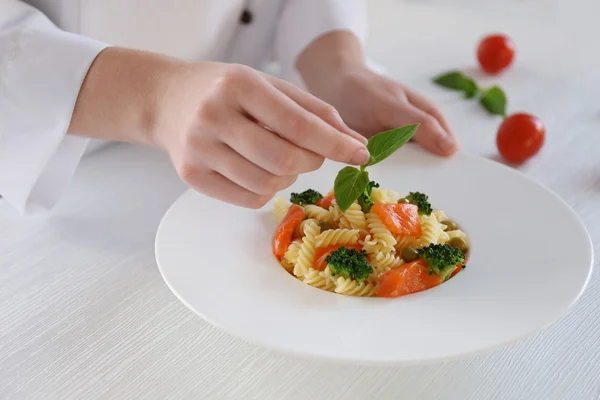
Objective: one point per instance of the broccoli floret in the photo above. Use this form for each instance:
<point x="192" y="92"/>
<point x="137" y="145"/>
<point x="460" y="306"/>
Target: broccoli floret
<point x="365" y="198"/>
<point x="442" y="259"/>
<point x="349" y="263"/>
<point x="420" y="200"/>
<point x="309" y="196"/>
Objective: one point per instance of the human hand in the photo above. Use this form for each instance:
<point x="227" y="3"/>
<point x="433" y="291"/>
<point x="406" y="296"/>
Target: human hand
<point x="368" y="102"/>
<point x="238" y="135"/>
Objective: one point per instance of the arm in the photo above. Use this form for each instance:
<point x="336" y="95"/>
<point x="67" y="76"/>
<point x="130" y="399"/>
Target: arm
<point x="233" y="133"/>
<point x="41" y="70"/>
<point x="334" y="68"/>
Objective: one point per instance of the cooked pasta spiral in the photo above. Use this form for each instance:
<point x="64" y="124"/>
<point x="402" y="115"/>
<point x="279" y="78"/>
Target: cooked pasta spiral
<point x="281" y="207"/>
<point x="331" y="237"/>
<point x="382" y="262"/>
<point x="306" y="255"/>
<point x="404" y="242"/>
<point x="318" y="213"/>
<point x="384" y="196"/>
<point x="291" y="255"/>
<point x="430" y="231"/>
<point x="385" y="240"/>
<point x="344" y="223"/>
<point x="335" y="215"/>
<point x="444" y="237"/>
<point x="356" y="217"/>
<point x="299" y="232"/>
<point x="351" y="287"/>
<point x="457" y="234"/>
<point x="440" y="215"/>
<point x="319" y="279"/>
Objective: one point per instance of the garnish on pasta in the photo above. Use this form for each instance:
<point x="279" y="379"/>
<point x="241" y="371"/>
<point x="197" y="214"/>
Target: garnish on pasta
<point x="364" y="240"/>
<point x="309" y="196"/>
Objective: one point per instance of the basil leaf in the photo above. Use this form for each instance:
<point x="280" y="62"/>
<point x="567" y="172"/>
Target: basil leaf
<point x="456" y="80"/>
<point x="494" y="101"/>
<point x="349" y="184"/>
<point x="382" y="145"/>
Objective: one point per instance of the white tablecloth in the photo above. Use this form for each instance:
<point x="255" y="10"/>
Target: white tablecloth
<point x="84" y="313"/>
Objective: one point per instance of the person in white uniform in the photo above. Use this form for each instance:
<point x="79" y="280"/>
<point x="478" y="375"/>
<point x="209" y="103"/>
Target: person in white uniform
<point x="184" y="76"/>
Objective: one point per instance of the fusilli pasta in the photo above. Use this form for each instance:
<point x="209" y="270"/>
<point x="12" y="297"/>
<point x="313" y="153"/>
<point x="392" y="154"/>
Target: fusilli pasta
<point x="299" y="232"/>
<point x="319" y="279"/>
<point x="444" y="237"/>
<point x="344" y="223"/>
<point x="336" y="215"/>
<point x="332" y="237"/>
<point x="431" y="230"/>
<point x="291" y="255"/>
<point x="318" y="213"/>
<point x="306" y="255"/>
<point x="351" y="287"/>
<point x="382" y="236"/>
<point x="382" y="196"/>
<point x="281" y="208"/>
<point x="457" y="233"/>
<point x="440" y="215"/>
<point x="356" y="217"/>
<point x="404" y="242"/>
<point x="382" y="262"/>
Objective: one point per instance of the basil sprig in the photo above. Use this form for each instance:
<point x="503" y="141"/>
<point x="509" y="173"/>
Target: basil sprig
<point x="351" y="182"/>
<point x="456" y="80"/>
<point x="492" y="99"/>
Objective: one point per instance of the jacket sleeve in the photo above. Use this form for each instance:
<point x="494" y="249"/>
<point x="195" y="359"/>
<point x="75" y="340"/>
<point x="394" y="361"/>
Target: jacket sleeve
<point x="41" y="71"/>
<point x="303" y="21"/>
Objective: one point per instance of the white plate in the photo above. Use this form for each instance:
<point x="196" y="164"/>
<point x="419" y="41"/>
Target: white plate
<point x="531" y="259"/>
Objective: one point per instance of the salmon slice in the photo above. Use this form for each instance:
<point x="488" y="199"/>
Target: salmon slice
<point x="409" y="278"/>
<point x="401" y="219"/>
<point x="285" y="231"/>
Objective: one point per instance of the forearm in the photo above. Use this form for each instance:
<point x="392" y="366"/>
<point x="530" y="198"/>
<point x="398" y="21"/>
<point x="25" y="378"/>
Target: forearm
<point x="329" y="55"/>
<point x="120" y="94"/>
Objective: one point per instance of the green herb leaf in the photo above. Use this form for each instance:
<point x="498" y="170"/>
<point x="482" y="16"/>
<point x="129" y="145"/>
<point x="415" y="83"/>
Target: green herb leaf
<point x="456" y="80"/>
<point x="494" y="101"/>
<point x="382" y="145"/>
<point x="349" y="184"/>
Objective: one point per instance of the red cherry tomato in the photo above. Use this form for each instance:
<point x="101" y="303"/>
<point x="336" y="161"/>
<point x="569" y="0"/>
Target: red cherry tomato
<point x="520" y="137"/>
<point x="495" y="53"/>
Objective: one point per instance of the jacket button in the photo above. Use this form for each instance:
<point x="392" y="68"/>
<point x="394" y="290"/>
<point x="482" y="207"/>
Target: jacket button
<point x="246" y="17"/>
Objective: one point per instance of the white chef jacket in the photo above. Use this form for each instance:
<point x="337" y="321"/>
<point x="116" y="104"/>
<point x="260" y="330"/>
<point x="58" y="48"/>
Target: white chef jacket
<point x="47" y="47"/>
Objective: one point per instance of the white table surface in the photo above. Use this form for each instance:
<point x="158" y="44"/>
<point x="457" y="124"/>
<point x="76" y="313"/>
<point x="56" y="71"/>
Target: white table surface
<point x="84" y="313"/>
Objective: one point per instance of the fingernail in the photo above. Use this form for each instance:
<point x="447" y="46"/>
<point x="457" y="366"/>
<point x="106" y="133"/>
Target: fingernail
<point x="361" y="157"/>
<point x="363" y="139"/>
<point x="446" y="143"/>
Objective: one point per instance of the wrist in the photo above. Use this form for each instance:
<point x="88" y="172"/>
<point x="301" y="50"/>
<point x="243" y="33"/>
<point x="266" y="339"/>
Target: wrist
<point x="325" y="62"/>
<point x="120" y="97"/>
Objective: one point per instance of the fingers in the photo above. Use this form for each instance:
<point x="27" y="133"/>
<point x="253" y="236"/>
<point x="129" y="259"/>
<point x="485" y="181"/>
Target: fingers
<point x="269" y="151"/>
<point x="430" y="134"/>
<point x="244" y="173"/>
<point x="274" y="109"/>
<point x="439" y="135"/>
<point x="215" y="185"/>
<point x="315" y="105"/>
<point x="225" y="175"/>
